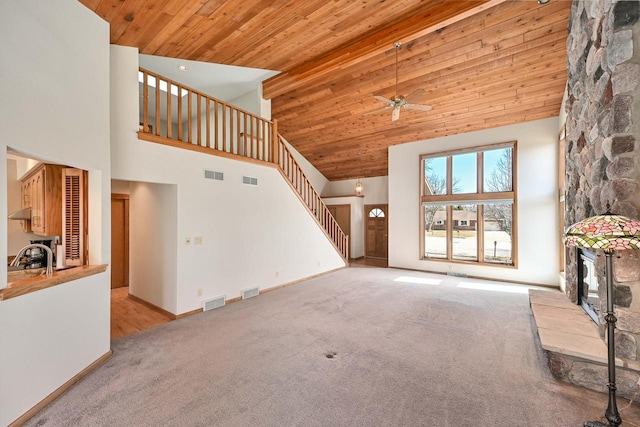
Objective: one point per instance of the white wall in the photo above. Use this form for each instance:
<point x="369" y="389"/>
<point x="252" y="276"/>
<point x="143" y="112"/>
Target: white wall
<point x="537" y="201"/>
<point x="376" y="189"/>
<point x="251" y="236"/>
<point x="250" y="101"/>
<point x="153" y="229"/>
<point x="315" y="177"/>
<point x="55" y="107"/>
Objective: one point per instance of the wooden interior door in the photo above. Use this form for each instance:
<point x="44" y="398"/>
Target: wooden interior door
<point x="119" y="240"/>
<point x="376" y="234"/>
<point x="342" y="214"/>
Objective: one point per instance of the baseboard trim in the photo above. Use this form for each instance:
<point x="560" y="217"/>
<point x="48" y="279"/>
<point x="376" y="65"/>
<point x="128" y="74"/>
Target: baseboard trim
<point x="152" y="306"/>
<point x="235" y="299"/>
<point x="64" y="387"/>
<point x="284" y="285"/>
<point x="470" y="276"/>
<point x="187" y="314"/>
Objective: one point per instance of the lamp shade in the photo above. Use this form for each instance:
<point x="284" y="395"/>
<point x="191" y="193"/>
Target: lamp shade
<point x="608" y="231"/>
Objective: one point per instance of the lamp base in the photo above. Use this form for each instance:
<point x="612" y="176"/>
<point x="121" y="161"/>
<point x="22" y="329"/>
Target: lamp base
<point x="599" y="424"/>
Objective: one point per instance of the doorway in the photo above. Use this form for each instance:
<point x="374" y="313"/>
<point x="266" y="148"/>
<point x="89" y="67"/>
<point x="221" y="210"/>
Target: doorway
<point x="376" y="231"/>
<point x="342" y="214"/>
<point x="119" y="240"/>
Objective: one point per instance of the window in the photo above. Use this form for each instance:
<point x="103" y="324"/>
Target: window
<point x="376" y="213"/>
<point x="468" y="201"/>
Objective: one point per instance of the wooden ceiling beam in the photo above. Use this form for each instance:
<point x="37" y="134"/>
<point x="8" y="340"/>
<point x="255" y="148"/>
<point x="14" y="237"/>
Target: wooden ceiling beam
<point x="423" y="23"/>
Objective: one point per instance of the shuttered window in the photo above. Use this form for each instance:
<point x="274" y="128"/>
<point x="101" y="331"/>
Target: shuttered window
<point x="73" y="216"/>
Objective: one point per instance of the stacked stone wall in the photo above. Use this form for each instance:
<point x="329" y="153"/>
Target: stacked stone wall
<point x="603" y="145"/>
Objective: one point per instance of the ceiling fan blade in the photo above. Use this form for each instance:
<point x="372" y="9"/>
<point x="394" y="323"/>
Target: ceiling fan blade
<point x="377" y="111"/>
<point x="416" y="95"/>
<point x="395" y="115"/>
<point x="421" y="107"/>
<point x="383" y="99"/>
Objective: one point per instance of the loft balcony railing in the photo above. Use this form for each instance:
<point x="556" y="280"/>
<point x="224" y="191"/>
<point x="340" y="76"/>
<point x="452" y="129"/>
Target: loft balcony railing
<point x="177" y="115"/>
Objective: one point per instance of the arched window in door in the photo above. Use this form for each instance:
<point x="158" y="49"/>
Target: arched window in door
<point x="376" y="213"/>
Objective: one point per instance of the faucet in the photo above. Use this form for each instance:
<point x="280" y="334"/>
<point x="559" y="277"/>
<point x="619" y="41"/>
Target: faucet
<point x="16" y="260"/>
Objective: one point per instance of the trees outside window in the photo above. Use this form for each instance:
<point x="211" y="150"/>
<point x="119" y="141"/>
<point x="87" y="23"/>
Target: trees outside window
<point x="468" y="205"/>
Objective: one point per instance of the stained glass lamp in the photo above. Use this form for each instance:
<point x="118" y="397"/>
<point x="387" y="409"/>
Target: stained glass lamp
<point x="610" y="233"/>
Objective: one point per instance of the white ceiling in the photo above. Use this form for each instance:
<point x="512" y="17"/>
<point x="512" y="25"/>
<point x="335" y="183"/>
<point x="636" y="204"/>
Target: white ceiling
<point x="225" y="82"/>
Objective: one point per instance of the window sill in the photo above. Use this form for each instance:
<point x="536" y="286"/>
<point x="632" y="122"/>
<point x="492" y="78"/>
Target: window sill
<point x="33" y="284"/>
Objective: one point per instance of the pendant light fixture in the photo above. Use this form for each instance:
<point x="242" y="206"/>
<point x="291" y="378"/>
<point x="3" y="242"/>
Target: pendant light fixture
<point x="359" y="186"/>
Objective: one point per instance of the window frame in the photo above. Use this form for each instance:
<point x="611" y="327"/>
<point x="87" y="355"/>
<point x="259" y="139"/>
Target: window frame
<point x="478" y="198"/>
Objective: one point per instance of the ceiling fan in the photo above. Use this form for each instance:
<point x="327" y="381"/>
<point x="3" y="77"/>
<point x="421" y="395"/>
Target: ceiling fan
<point x="399" y="102"/>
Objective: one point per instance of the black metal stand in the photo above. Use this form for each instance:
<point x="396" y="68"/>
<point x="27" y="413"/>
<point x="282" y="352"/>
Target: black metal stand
<point x="612" y="414"/>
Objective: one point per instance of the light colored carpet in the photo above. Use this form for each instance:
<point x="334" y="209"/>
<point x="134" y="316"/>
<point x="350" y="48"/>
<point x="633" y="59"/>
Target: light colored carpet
<point x="409" y="349"/>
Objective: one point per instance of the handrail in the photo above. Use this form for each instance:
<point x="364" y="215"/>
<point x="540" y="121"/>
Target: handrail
<point x="177" y="112"/>
<point x="311" y="198"/>
<point x="223" y="129"/>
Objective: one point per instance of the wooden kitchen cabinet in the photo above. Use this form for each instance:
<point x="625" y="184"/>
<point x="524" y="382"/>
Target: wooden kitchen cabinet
<point x="42" y="192"/>
<point x="26" y="203"/>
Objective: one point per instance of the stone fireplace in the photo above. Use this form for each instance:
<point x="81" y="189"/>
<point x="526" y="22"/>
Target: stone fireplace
<point x="603" y="153"/>
<point x="588" y="289"/>
<point x="603" y="157"/>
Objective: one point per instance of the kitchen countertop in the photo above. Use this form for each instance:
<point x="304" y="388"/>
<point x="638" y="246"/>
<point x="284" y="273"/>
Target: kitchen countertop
<point x="23" y="282"/>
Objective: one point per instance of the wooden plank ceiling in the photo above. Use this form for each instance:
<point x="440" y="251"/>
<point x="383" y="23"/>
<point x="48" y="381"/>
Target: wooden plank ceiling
<point x="482" y="64"/>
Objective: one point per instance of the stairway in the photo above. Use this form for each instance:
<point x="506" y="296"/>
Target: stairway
<point x="179" y="116"/>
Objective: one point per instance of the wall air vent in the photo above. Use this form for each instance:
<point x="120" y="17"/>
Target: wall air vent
<point x="249" y="180"/>
<point x="217" y="302"/>
<point x="215" y="175"/>
<point x="250" y="293"/>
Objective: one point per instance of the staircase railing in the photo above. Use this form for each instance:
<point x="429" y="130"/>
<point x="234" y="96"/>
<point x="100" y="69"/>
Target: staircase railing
<point x="290" y="168"/>
<point x="171" y="110"/>
<point x="177" y="115"/>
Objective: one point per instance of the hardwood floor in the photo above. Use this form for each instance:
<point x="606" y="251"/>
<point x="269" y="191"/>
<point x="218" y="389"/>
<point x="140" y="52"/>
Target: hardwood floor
<point x="369" y="262"/>
<point x="129" y="316"/>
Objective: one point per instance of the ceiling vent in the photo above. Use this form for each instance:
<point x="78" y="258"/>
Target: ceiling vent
<point x="249" y="180"/>
<point x="217" y="302"/>
<point x="215" y="175"/>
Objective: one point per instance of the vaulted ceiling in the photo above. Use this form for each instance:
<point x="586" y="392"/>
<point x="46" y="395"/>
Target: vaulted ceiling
<point x="481" y="64"/>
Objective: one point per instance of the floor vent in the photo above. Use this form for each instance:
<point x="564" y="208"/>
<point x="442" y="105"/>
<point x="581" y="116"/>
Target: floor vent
<point x="210" y="304"/>
<point x="249" y="180"/>
<point x="250" y="293"/>
<point x="215" y="175"/>
<point x="453" y="273"/>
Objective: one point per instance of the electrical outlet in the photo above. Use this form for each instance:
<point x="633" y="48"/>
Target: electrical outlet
<point x="197" y="240"/>
<point x="200" y="292"/>
<point x="277" y="274"/>
<point x="187" y="240"/>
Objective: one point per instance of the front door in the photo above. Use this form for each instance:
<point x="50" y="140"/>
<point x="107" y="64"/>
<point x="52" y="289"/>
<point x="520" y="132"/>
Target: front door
<point x="119" y="240"/>
<point x="376" y="231"/>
